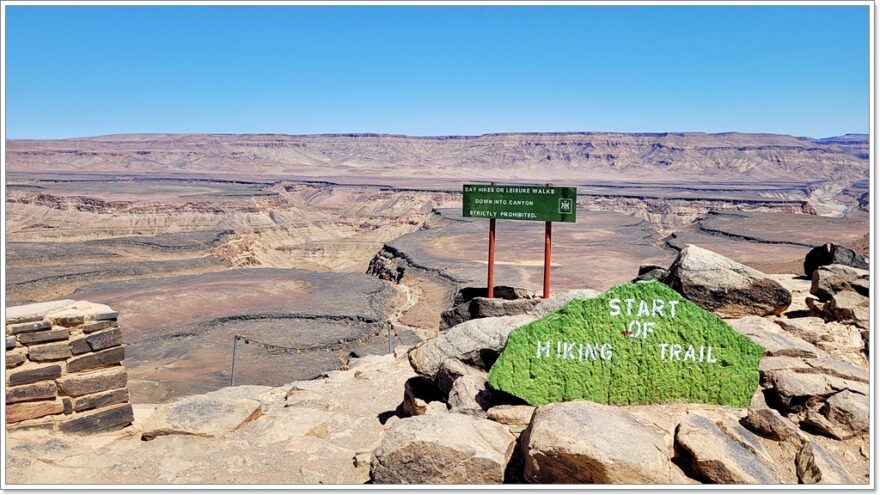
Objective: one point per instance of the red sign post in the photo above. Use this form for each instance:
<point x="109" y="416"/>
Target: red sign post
<point x="519" y="202"/>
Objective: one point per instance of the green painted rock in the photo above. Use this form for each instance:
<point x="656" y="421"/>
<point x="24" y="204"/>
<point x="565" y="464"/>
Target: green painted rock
<point x="638" y="343"/>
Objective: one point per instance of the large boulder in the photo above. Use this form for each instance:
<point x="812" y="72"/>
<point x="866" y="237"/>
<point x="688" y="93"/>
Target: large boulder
<point x="474" y="342"/>
<point x="721" y="458"/>
<point x="832" y="254"/>
<point x="447" y="449"/>
<point x="725" y="287"/>
<point x="637" y="343"/>
<point x="585" y="442"/>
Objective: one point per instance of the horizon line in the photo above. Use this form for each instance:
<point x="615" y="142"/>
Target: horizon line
<point x="434" y="136"/>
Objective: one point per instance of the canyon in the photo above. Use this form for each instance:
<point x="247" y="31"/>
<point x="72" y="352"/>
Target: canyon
<point x="336" y="244"/>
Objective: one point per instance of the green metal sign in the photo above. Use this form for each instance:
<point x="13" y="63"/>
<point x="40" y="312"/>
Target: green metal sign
<point x="518" y="202"/>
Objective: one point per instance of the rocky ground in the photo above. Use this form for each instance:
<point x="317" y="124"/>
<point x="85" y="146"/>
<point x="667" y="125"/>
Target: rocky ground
<point x="425" y="414"/>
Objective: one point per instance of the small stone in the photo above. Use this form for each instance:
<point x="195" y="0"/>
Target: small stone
<point x="34" y="373"/>
<point x="111" y="418"/>
<point x="511" y="415"/>
<point x="79" y="346"/>
<point x="850" y="306"/>
<point x="104" y="316"/>
<point x="34" y="391"/>
<point x="452" y="369"/>
<point x="99" y="359"/>
<point x="98" y="325"/>
<point x="67" y="319"/>
<point x="817" y="423"/>
<point x="100" y="400"/>
<point x="79" y="384"/>
<point x="768" y="422"/>
<point x="46" y="336"/>
<point x="16" y="357"/>
<point x="103" y="340"/>
<point x="417" y="392"/>
<point x="815" y="465"/>
<point x="10" y="342"/>
<point x="33" y="410"/>
<point x="470" y="395"/>
<point x="31" y="326"/>
<point x="849" y="410"/>
<point x="49" y="352"/>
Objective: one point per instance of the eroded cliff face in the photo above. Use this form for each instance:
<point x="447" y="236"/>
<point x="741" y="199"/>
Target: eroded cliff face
<point x="534" y="156"/>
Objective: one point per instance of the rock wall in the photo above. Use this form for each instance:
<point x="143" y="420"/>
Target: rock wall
<point x="64" y="368"/>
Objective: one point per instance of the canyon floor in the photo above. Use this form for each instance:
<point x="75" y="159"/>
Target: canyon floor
<point x="333" y="267"/>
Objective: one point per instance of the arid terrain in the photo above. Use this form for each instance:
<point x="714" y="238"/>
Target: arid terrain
<point x="329" y="243"/>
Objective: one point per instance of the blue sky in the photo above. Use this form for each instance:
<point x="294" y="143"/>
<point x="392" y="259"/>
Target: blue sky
<point x="83" y="71"/>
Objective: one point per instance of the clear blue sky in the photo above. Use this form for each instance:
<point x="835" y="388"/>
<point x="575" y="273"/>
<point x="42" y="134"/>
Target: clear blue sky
<point x="83" y="71"/>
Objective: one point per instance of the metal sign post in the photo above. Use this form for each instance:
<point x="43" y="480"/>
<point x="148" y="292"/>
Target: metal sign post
<point x="547" y="235"/>
<point x="519" y="202"/>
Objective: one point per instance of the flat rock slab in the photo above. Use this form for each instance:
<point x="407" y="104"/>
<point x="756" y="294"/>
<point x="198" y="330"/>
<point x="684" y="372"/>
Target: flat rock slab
<point x="448" y="448"/>
<point x="718" y="457"/>
<point x="36" y="311"/>
<point x="770" y="336"/>
<point x="585" y="442"/>
<point x="208" y="415"/>
<point x="816" y="466"/>
<point x="637" y="343"/>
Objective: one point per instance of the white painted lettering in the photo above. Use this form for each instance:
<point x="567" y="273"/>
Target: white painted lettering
<point x="614" y="304"/>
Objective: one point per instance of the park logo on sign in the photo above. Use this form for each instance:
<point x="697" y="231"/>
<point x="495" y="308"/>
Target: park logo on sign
<point x="638" y="343"/>
<point x="565" y="205"/>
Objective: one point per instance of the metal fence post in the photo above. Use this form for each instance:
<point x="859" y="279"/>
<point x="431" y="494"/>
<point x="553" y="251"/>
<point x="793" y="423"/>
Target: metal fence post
<point x="234" y="348"/>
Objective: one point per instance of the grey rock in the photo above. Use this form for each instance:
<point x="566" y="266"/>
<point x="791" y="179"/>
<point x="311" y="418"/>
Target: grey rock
<point x="470" y="394"/>
<point x="207" y="415"/>
<point x="474" y="342"/>
<point x="768" y="422"/>
<point x="453" y="369"/>
<point x="851" y="411"/>
<point x="585" y="442"/>
<point x="717" y="457"/>
<point x="445" y="448"/>
<point x="832" y="254"/>
<point x="107" y="419"/>
<point x="725" y="287"/>
<point x="829" y="280"/>
<point x="44" y="336"/>
<point x="650" y="272"/>
<point x="851" y="307"/>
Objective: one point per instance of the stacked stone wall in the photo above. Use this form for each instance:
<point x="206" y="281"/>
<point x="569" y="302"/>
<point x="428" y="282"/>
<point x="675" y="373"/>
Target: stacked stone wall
<point x="64" y="368"/>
